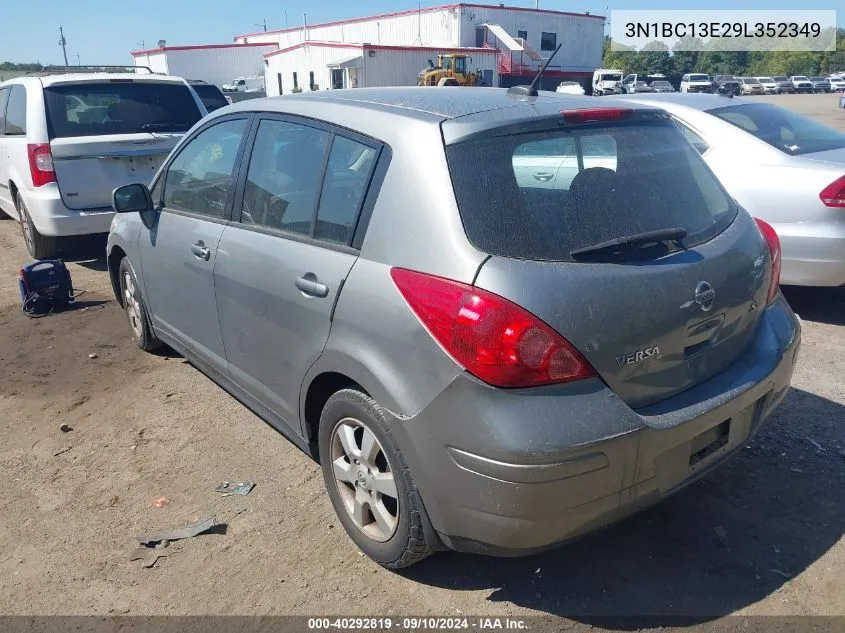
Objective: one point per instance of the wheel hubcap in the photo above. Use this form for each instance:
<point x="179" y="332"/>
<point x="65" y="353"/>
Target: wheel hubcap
<point x="27" y="231"/>
<point x="130" y="303"/>
<point x="364" y="479"/>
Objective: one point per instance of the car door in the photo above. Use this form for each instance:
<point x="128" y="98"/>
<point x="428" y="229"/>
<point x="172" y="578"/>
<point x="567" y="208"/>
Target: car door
<point x="5" y="193"/>
<point x="283" y="260"/>
<point x="178" y="252"/>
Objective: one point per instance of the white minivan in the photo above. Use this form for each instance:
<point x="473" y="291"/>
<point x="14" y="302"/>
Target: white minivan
<point x="68" y="140"/>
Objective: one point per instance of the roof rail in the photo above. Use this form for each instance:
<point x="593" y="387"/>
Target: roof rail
<point x="64" y="70"/>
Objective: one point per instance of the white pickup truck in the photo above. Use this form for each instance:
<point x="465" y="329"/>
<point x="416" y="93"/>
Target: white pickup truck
<point x="245" y="84"/>
<point x="607" y="81"/>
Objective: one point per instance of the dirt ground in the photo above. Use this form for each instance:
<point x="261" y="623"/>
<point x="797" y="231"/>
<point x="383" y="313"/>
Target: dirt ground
<point x="762" y="535"/>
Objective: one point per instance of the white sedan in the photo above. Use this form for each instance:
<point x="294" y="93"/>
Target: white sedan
<point x="782" y="167"/>
<point x="570" y="88"/>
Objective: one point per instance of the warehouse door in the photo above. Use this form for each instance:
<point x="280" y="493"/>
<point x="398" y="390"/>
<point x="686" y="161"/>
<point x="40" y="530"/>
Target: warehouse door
<point x="337" y="78"/>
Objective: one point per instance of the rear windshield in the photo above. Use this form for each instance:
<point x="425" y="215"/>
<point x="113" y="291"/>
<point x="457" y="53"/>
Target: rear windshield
<point x="789" y="132"/>
<point x="211" y="96"/>
<point x="542" y="195"/>
<point x="119" y="107"/>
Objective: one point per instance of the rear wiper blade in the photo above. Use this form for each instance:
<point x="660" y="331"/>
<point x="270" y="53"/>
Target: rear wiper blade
<point x="630" y="242"/>
<point x="159" y="126"/>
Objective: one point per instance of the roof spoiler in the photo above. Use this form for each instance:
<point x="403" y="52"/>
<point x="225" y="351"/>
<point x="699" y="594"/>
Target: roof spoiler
<point x="531" y="91"/>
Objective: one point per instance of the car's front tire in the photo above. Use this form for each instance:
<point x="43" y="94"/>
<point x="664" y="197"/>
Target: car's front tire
<point x="368" y="481"/>
<point x="39" y="246"/>
<point x="135" y="309"/>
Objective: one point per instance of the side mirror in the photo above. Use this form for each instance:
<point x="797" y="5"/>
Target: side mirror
<point x="132" y="198"/>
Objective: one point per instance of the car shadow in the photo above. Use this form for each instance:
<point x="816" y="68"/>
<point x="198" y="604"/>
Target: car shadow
<point x="722" y="544"/>
<point x="823" y="305"/>
<point x="86" y="250"/>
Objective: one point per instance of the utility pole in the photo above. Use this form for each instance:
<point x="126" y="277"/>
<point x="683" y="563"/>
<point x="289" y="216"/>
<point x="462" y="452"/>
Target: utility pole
<point x="78" y="63"/>
<point x="63" y="44"/>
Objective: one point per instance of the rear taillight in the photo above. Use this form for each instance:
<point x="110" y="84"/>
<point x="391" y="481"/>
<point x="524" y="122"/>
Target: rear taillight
<point x="773" y="242"/>
<point x="40" y="164"/>
<point x="834" y="194"/>
<point x="588" y="115"/>
<point x="495" y="340"/>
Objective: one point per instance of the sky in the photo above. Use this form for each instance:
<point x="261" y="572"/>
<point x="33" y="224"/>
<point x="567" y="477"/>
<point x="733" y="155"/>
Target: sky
<point x="101" y="33"/>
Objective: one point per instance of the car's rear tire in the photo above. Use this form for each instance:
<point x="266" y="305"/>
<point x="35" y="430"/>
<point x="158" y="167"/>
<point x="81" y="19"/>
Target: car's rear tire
<point x="39" y="246"/>
<point x="135" y="309"/>
<point x="368" y="481"/>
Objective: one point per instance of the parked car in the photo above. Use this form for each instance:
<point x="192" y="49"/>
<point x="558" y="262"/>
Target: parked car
<point x="696" y="82"/>
<point x="67" y="140"/>
<point x="726" y="85"/>
<point x="770" y="86"/>
<point x="210" y="95"/>
<point x="659" y="83"/>
<point x="570" y="88"/>
<point x="631" y="84"/>
<point x="451" y="398"/>
<point x="837" y="84"/>
<point x="784" y="84"/>
<point x="820" y="84"/>
<point x="783" y="168"/>
<point x="800" y="83"/>
<point x="750" y="86"/>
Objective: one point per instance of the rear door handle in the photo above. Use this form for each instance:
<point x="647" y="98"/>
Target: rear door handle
<point x="310" y="286"/>
<point x="200" y="251"/>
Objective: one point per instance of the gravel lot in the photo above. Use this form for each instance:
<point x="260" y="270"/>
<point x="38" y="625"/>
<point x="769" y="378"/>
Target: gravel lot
<point x="762" y="535"/>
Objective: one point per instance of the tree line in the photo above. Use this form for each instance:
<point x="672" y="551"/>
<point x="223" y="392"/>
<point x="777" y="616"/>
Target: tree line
<point x="655" y="57"/>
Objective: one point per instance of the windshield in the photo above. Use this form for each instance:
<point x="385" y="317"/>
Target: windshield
<point x="542" y="195"/>
<point x="119" y="107"/>
<point x="818" y="78"/>
<point x="611" y="77"/>
<point x="781" y="79"/>
<point x="765" y="80"/>
<point x="210" y="96"/>
<point x="698" y="78"/>
<point x="783" y="129"/>
<point x="751" y="80"/>
<point x="800" y="78"/>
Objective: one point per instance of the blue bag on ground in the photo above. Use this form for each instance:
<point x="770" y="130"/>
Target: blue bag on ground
<point x="45" y="287"/>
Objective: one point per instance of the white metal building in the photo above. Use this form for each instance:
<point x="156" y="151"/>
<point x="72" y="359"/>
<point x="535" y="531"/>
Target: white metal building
<point x="332" y="65"/>
<point x="520" y="38"/>
<point x="215" y="63"/>
<point x="507" y="44"/>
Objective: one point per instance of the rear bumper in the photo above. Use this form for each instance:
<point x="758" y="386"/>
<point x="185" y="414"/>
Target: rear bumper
<point x="813" y="253"/>
<point x="510" y="472"/>
<point x="52" y="217"/>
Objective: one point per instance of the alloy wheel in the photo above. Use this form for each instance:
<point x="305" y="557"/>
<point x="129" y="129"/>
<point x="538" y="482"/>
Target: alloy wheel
<point x="364" y="479"/>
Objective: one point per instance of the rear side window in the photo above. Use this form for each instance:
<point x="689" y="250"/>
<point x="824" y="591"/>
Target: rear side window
<point x="697" y="142"/>
<point x="119" y="107"/>
<point x="347" y="176"/>
<point x="542" y="195"/>
<point x="783" y="129"/>
<point x="4" y="98"/>
<point x="16" y="111"/>
<point x="211" y="96"/>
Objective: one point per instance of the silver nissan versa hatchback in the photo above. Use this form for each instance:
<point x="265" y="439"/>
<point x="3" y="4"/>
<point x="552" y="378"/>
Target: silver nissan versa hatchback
<point x="498" y="321"/>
